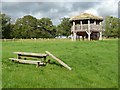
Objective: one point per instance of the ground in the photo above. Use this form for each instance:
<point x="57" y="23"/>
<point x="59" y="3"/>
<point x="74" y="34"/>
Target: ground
<point x="94" y="64"/>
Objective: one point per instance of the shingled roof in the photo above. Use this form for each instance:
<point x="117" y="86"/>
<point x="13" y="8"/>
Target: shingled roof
<point x="86" y="16"/>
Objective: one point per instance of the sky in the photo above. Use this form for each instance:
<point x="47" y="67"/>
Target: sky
<point x="57" y="9"/>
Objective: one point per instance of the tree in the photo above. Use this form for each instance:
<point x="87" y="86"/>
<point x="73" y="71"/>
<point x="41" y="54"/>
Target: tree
<point x="46" y="29"/>
<point x="111" y="26"/>
<point x="64" y="28"/>
<point x="25" y="27"/>
<point x="0" y="25"/>
<point x="5" y="25"/>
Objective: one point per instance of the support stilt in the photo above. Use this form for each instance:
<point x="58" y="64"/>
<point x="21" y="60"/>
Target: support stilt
<point x="100" y="38"/>
<point x="89" y="30"/>
<point x="74" y="36"/>
<point x="89" y="36"/>
<point x="89" y="33"/>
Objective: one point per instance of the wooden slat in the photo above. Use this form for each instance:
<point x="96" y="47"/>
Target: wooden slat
<point x="31" y="54"/>
<point x="27" y="61"/>
<point x="61" y="62"/>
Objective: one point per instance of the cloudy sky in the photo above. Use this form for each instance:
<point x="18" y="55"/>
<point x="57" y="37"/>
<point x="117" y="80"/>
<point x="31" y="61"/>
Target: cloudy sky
<point x="58" y="9"/>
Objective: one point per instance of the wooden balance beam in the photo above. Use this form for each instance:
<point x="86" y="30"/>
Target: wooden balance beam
<point x="61" y="62"/>
<point x="38" y="63"/>
<point x="28" y="54"/>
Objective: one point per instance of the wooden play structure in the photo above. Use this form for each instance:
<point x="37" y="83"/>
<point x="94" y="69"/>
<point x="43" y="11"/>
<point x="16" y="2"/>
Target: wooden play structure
<point x="22" y="57"/>
<point x="86" y="25"/>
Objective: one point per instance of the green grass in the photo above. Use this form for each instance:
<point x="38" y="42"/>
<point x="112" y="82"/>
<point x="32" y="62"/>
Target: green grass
<point x="94" y="64"/>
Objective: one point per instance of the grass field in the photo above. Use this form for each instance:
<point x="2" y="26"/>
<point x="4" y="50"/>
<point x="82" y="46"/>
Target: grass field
<point x="94" y="64"/>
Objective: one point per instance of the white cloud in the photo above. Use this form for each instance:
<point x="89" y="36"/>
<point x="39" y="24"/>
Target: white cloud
<point x="74" y="13"/>
<point x="37" y="15"/>
<point x="92" y="11"/>
<point x="53" y="10"/>
<point x="105" y="8"/>
<point x="108" y="8"/>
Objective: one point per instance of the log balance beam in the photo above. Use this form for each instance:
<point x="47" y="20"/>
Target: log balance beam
<point x="61" y="62"/>
<point x="38" y="63"/>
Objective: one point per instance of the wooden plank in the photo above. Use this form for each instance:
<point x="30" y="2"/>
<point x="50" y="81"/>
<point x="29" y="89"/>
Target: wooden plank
<point x="31" y="54"/>
<point x="27" y="61"/>
<point x="61" y="62"/>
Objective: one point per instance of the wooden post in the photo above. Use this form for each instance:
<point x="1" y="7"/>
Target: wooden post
<point x="61" y="62"/>
<point x="74" y="33"/>
<point x="89" y="30"/>
<point x="72" y="36"/>
<point x="48" y="61"/>
<point x="44" y="58"/>
<point x="94" y="22"/>
<point x="81" y="25"/>
<point x="19" y="56"/>
<point x="80" y="28"/>
<point x="37" y="65"/>
<point x="88" y="36"/>
<point x="73" y="25"/>
<point x="100" y="38"/>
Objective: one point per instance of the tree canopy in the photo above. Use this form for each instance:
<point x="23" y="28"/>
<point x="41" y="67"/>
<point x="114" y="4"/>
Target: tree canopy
<point x="111" y="26"/>
<point x="64" y="28"/>
<point x="25" y="27"/>
<point x="5" y="25"/>
<point x="46" y="28"/>
<point x="30" y="27"/>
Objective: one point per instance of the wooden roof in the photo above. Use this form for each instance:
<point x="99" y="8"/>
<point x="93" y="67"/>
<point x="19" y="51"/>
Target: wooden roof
<point x="84" y="16"/>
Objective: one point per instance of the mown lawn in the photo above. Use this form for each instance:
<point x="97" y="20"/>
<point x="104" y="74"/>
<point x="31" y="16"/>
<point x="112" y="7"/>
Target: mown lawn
<point x="94" y="64"/>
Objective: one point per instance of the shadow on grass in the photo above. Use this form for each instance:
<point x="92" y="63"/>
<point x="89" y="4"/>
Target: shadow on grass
<point x="53" y="62"/>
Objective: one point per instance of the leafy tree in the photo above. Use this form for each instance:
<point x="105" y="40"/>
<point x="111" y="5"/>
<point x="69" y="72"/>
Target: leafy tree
<point x="111" y="26"/>
<point x="46" y="28"/>
<point x="64" y="28"/>
<point x="16" y="32"/>
<point x="0" y="25"/>
<point x="25" y="27"/>
<point x="5" y="25"/>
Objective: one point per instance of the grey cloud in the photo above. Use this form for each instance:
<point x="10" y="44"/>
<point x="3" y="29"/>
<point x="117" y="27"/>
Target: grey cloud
<point x="84" y="5"/>
<point x="53" y="10"/>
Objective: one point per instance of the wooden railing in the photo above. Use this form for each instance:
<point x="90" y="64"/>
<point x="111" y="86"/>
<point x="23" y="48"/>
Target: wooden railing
<point x="95" y="27"/>
<point x="84" y="27"/>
